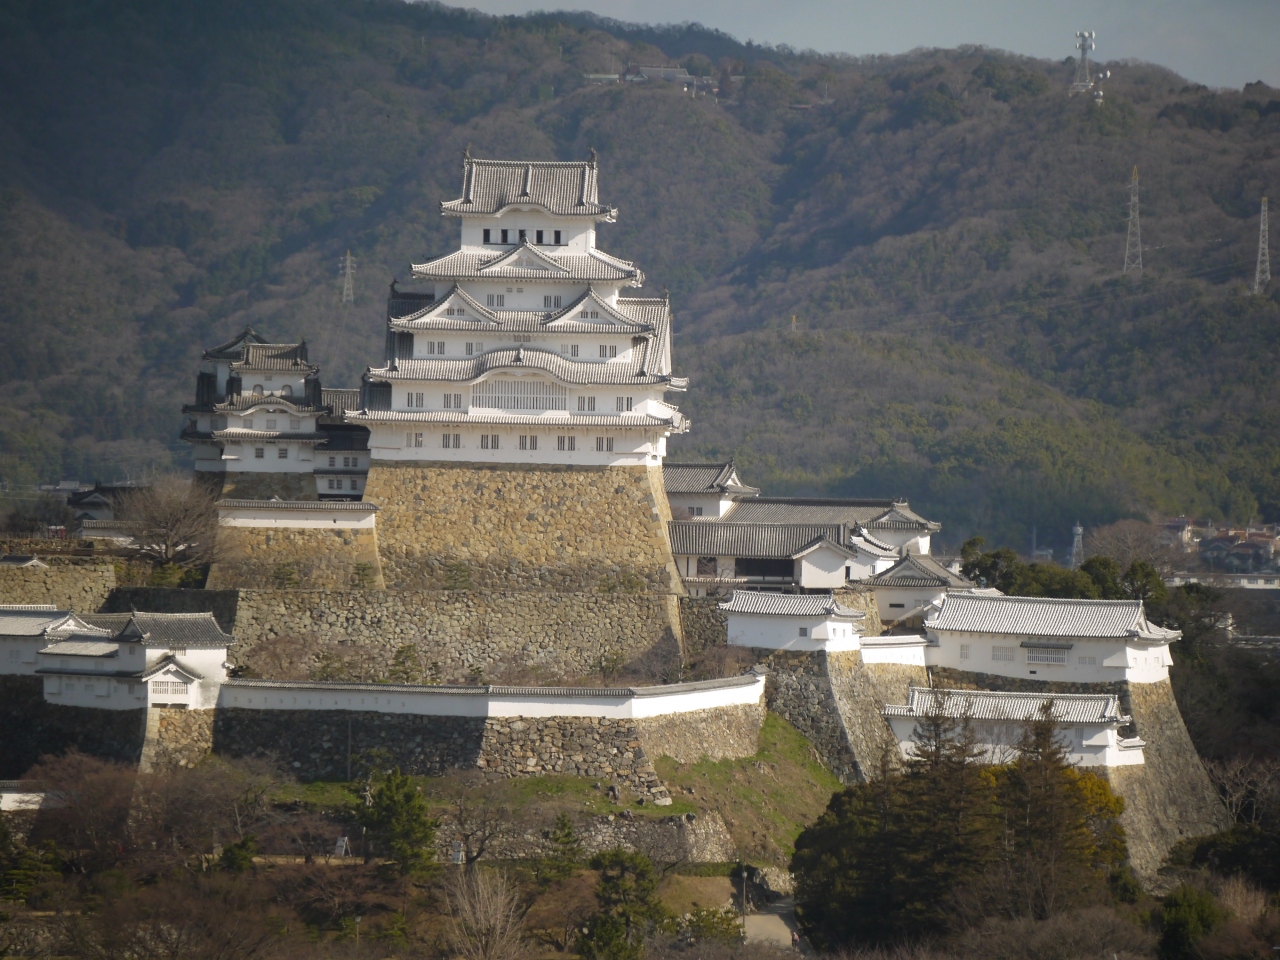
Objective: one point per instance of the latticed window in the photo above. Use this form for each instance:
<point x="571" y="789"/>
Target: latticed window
<point x="1046" y="655"/>
<point x="520" y="395"/>
<point x="1003" y="654"/>
<point x="168" y="686"/>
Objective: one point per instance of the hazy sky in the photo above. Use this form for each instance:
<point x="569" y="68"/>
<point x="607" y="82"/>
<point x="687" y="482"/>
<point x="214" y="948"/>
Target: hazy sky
<point x="1225" y="43"/>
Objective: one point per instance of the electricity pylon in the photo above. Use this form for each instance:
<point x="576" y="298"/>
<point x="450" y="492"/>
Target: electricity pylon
<point x="348" y="279"/>
<point x="1262" y="275"/>
<point x="1133" y="243"/>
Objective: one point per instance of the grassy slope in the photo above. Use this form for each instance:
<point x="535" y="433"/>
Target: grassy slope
<point x="169" y="175"/>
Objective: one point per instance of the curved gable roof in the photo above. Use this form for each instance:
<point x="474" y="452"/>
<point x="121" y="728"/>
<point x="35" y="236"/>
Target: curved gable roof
<point x="563" y="189"/>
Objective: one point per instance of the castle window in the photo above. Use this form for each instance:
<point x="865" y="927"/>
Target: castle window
<point x="295" y="423"/>
<point x="1003" y="654"/>
<point x="564" y="348"/>
<point x="586" y="404"/>
<point x="286" y="391"/>
<point x="331" y="483"/>
<point x="451" y="440"/>
<point x="557" y="236"/>
<point x="595" y="314"/>
<point x="504" y="235"/>
<point x="1088" y="661"/>
<point x="566" y="443"/>
<point x="247" y="422"/>
<point x="573" y="350"/>
<point x="502" y="299"/>
<point x="529" y="442"/>
<point x="583" y="315"/>
<point x="539" y="236"/>
<point x="1046" y="655"/>
<point x="333" y="461"/>
<point x="695" y="511"/>
<point x="804" y="631"/>
<point x="607" y="352"/>
<point x="259" y="453"/>
<point x="524" y="442"/>
<point x="546" y="301"/>
<point x="555" y="302"/>
<point x="257" y="389"/>
<point x="488" y="301"/>
<point x="523" y="236"/>
<point x="449" y="312"/>
<point x="964" y="651"/>
<point x="487" y="235"/>
<point x="271" y="424"/>
<point x="417" y="439"/>
<point x="435" y="347"/>
<point x="604" y="444"/>
<point x="282" y="453"/>
<point x="624" y="404"/>
<point x="484" y="441"/>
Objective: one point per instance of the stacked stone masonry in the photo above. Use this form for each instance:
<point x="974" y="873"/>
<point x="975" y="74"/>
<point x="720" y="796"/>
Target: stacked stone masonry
<point x="461" y="635"/>
<point x="69" y="583"/>
<point x="689" y="838"/>
<point x="176" y="737"/>
<point x="301" y="559"/>
<point x="31" y="728"/>
<point x="264" y="486"/>
<point x="512" y="527"/>
<point x="725" y="733"/>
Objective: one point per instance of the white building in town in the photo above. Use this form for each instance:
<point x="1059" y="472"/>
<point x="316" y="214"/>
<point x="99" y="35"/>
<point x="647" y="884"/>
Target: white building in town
<point x="1080" y="641"/>
<point x="1089" y="725"/>
<point x="131" y="661"/>
<point x="523" y="348"/>
<point x="789" y="621"/>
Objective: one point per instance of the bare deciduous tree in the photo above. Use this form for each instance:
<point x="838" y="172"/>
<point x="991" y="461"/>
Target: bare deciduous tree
<point x="486" y="921"/>
<point x="1128" y="540"/>
<point x="1249" y="787"/>
<point x="175" y="520"/>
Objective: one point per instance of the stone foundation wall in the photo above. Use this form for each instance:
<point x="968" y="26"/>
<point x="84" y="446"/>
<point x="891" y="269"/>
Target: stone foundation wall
<point x="725" y="733"/>
<point x="835" y="700"/>
<point x="31" y="728"/>
<point x="176" y="738"/>
<point x="80" y="585"/>
<point x="303" y="559"/>
<point x="316" y="744"/>
<point x="264" y="486"/>
<point x="464" y="634"/>
<point x="864" y="599"/>
<point x="511" y="526"/>
<point x="1169" y="797"/>
<point x="690" y="838"/>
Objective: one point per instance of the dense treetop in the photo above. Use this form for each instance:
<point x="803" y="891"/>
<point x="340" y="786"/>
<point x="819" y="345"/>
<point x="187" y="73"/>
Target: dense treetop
<point x="946" y="228"/>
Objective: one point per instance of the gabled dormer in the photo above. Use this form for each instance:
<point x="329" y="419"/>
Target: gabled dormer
<point x="520" y="261"/>
<point x="594" y="310"/>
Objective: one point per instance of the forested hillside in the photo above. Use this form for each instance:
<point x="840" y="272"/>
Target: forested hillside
<point x="913" y="288"/>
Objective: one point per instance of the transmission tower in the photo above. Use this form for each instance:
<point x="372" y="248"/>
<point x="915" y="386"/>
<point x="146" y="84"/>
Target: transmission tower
<point x="1077" y="546"/>
<point x="1263" y="274"/>
<point x="348" y="279"/>
<point x="1084" y="43"/>
<point x="1133" y="244"/>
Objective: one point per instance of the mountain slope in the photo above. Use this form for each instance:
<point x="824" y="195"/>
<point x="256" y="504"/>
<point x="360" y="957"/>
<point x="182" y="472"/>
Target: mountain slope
<point x="946" y="232"/>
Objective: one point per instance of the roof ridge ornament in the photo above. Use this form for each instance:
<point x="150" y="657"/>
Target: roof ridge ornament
<point x="528" y="180"/>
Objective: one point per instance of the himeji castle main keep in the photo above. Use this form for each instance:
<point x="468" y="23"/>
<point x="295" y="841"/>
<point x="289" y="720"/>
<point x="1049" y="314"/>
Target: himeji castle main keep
<point x="494" y="503"/>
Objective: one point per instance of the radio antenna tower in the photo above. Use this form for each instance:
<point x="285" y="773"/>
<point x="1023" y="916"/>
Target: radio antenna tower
<point x="1263" y="274"/>
<point x="1084" y="43"/>
<point x="348" y="279"/>
<point x="1133" y="244"/>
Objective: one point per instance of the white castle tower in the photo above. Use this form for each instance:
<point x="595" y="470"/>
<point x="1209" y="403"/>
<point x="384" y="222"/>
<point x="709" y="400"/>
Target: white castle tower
<point x="523" y="348"/>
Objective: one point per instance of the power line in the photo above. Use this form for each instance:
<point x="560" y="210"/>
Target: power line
<point x="1262" y="274"/>
<point x="1133" y="242"/>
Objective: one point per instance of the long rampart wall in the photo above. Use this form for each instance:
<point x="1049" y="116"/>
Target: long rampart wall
<point x="69" y="583"/>
<point x="513" y="526"/>
<point x="291" y="558"/>
<point x="31" y="728"/>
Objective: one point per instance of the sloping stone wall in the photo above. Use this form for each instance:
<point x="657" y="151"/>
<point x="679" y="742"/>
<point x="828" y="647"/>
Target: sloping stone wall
<point x="835" y="700"/>
<point x="689" y="838"/>
<point x="509" y="526"/>
<point x="1169" y="797"/>
<point x="462" y="634"/>
<point x="31" y="728"/>
<point x="303" y="559"/>
<point x="264" y="486"/>
<point x="69" y="583"/>
<point x="175" y="738"/>
<point x="724" y="733"/>
<point x="319" y="744"/>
